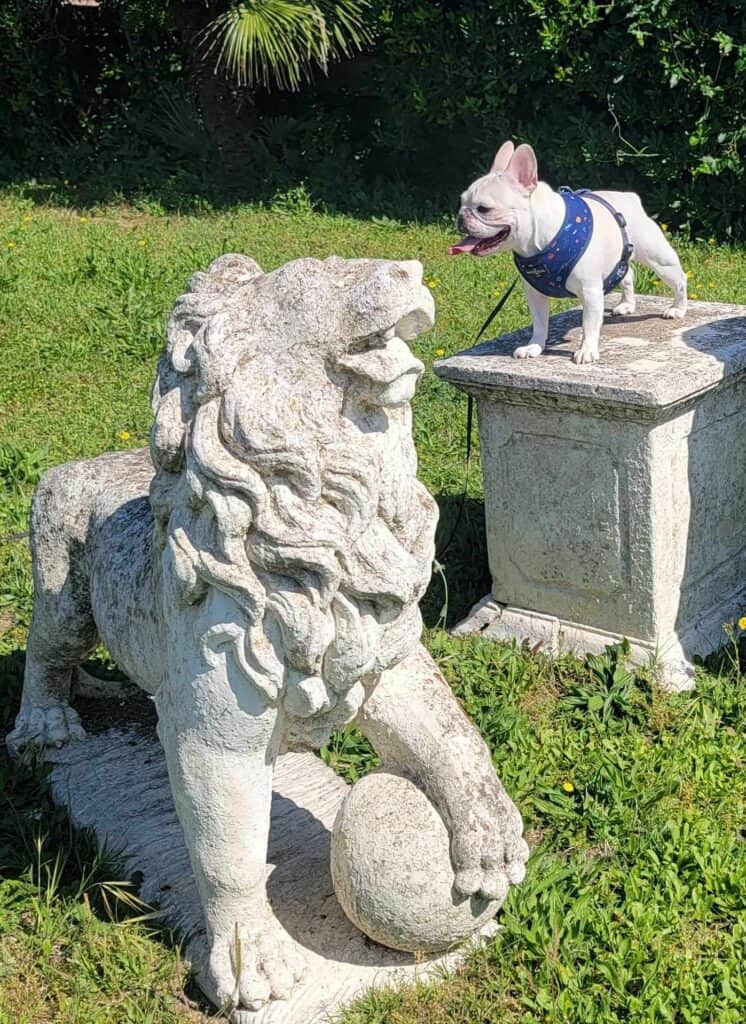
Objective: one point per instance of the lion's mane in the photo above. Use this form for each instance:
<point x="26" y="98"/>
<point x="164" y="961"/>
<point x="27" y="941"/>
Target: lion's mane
<point x="276" y="487"/>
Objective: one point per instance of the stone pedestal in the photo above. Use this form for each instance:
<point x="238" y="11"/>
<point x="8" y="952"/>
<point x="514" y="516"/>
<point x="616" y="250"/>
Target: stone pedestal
<point x="615" y="494"/>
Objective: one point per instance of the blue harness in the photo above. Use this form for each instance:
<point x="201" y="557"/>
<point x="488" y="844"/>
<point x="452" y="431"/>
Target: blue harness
<point x="549" y="269"/>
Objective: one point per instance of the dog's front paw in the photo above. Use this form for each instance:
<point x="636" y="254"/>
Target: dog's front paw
<point x="674" y="313"/>
<point x="52" y="726"/>
<point x="249" y="965"/>
<point x="623" y="309"/>
<point x="585" y="355"/>
<point x="528" y="351"/>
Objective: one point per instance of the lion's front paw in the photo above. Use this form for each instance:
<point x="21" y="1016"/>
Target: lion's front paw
<point x="51" y="726"/>
<point x="250" y="966"/>
<point x="487" y="845"/>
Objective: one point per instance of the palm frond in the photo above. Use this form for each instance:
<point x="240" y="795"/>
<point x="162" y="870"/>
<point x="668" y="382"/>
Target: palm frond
<point x="278" y="42"/>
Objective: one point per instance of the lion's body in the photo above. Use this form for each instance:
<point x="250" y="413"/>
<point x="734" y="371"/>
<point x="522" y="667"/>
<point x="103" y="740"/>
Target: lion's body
<point x="92" y="534"/>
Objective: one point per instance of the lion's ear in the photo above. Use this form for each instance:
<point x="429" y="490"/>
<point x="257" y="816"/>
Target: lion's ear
<point x="218" y="346"/>
<point x="229" y="272"/>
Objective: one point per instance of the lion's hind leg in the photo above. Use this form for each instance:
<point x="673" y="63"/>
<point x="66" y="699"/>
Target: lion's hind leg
<point x="63" y="632"/>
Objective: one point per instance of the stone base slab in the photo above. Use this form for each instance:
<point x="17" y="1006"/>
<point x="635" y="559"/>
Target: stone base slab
<point x="116" y="784"/>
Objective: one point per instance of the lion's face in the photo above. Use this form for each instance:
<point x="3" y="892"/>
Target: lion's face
<point x="287" y="467"/>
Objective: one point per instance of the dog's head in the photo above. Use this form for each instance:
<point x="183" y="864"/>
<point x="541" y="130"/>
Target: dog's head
<point x="496" y="207"/>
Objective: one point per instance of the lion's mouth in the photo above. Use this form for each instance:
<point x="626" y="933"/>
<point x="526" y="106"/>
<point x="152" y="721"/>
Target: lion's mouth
<point x="480" y="246"/>
<point x="382" y="365"/>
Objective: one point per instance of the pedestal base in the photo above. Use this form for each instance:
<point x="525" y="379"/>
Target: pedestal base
<point x="555" y="636"/>
<point x="116" y="784"/>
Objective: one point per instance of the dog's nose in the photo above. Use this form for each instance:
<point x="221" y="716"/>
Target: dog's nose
<point x="461" y="223"/>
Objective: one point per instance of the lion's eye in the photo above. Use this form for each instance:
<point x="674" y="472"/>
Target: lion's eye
<point x="484" y="209"/>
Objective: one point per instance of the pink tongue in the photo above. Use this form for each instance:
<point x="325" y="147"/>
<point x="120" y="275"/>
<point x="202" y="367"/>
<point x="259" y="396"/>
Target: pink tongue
<point x="466" y="245"/>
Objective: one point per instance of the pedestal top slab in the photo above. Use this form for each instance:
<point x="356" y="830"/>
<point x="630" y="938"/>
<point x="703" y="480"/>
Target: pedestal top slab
<point x="647" y="363"/>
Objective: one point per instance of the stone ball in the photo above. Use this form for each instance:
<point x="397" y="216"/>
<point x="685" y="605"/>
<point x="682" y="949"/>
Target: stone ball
<point x="392" y="871"/>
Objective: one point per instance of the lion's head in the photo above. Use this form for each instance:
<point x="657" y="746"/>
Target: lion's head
<point x="285" y="469"/>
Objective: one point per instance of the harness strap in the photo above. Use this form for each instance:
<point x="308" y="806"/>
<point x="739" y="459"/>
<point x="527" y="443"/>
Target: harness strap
<point x="620" y="270"/>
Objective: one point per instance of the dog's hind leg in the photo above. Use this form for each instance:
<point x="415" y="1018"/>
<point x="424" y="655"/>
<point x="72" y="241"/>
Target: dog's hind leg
<point x="654" y="250"/>
<point x="62" y="632"/>
<point x="627" y="304"/>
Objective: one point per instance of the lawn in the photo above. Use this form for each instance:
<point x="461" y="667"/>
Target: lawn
<point x="634" y="906"/>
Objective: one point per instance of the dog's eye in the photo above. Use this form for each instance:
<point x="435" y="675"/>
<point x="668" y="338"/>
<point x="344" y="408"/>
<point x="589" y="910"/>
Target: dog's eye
<point x="483" y="209"/>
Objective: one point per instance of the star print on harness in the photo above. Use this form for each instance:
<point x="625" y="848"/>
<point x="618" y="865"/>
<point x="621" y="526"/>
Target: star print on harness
<point x="549" y="269"/>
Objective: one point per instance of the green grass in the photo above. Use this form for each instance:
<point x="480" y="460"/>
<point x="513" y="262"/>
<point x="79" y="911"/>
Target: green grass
<point x="634" y="906"/>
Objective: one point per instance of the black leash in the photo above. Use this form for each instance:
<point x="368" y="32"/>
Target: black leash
<point x="469" y="425"/>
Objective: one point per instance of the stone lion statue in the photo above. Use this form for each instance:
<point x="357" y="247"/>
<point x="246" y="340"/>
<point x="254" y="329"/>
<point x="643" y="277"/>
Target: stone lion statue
<point x="258" y="571"/>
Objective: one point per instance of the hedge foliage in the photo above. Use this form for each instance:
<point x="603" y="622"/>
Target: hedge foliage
<point x="642" y="94"/>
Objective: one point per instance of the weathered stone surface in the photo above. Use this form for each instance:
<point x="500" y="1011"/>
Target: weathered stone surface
<point x="615" y="497"/>
<point x="258" y="571"/>
<point x="116" y="784"/>
<point x="392" y="869"/>
<point x="648" y="363"/>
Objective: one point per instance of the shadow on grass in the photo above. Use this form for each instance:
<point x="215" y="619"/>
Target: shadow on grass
<point x="169" y="190"/>
<point x="461" y="552"/>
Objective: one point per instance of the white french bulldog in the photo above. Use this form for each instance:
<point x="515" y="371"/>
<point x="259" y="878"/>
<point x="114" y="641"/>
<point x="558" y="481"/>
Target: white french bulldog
<point x="510" y="209"/>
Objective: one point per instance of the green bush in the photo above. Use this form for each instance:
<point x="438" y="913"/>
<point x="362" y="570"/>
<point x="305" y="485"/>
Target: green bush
<point x="641" y="94"/>
<point x="93" y="93"/>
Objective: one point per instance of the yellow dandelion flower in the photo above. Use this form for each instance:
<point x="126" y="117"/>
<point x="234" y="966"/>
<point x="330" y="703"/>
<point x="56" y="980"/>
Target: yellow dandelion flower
<point x="712" y="241"/>
<point x="11" y="245"/>
<point x="26" y="219"/>
<point x="688" y="273"/>
<point x="83" y="220"/>
<point x="141" y="241"/>
<point x="664" y="227"/>
<point x="124" y="435"/>
<point x="694" y="295"/>
<point x="742" y="622"/>
<point x="568" y="787"/>
<point x="440" y="351"/>
<point x="710" y="284"/>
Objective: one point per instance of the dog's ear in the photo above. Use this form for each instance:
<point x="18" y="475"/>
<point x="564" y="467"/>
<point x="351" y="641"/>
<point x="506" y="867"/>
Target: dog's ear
<point x="502" y="157"/>
<point x="523" y="167"/>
